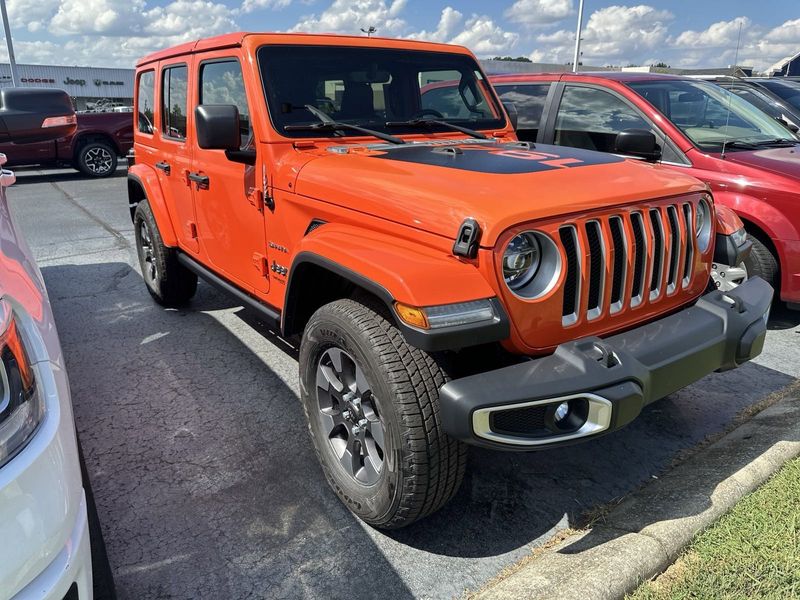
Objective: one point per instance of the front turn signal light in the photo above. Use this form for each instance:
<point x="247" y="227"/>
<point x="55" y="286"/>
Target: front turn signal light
<point x="412" y="315"/>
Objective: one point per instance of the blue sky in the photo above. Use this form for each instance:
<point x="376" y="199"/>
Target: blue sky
<point x="680" y="32"/>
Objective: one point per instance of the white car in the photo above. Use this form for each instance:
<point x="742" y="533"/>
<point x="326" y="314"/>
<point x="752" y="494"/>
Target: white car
<point x="44" y="526"/>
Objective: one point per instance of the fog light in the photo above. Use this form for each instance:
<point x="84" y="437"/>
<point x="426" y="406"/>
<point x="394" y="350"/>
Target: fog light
<point x="561" y="412"/>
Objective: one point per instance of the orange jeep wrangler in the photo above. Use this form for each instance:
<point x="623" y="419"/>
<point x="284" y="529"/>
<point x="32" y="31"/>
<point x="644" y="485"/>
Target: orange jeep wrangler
<point x="449" y="285"/>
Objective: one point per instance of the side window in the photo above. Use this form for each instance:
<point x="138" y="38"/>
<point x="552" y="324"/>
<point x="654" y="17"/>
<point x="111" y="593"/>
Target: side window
<point x="173" y="102"/>
<point x="145" y="100"/>
<point x="529" y="98"/>
<point x="591" y="118"/>
<point x="222" y="83"/>
<point x="757" y="100"/>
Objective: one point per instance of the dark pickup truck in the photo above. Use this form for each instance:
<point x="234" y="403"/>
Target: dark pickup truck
<point x="93" y="149"/>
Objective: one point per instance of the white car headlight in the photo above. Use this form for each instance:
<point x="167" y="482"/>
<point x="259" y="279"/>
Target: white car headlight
<point x="521" y="260"/>
<point x="531" y="264"/>
<point x="21" y="405"/>
<point x="703" y="224"/>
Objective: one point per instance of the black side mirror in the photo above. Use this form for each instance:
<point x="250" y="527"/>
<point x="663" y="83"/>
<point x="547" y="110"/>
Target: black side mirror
<point x="35" y="115"/>
<point x="513" y="115"/>
<point x="217" y="127"/>
<point x="790" y="126"/>
<point x="639" y="143"/>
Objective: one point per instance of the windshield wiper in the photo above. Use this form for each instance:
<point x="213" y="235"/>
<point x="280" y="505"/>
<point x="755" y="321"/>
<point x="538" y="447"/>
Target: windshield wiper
<point x="328" y="124"/>
<point x="777" y="142"/>
<point x="426" y="122"/>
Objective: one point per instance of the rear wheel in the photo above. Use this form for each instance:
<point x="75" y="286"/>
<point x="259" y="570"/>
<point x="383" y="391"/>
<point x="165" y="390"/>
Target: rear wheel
<point x="371" y="401"/>
<point x="97" y="159"/>
<point x="168" y="281"/>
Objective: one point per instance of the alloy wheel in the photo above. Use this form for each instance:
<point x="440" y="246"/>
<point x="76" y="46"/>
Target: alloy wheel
<point x="146" y="255"/>
<point x="98" y="160"/>
<point x="349" y="416"/>
<point x="727" y="277"/>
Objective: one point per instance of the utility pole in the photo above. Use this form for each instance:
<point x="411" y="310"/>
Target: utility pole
<point x="577" y="38"/>
<point x="369" y="31"/>
<point x="11" y="60"/>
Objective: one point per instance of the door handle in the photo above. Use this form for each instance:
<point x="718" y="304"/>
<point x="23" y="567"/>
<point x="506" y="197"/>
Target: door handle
<point x="200" y="180"/>
<point x="163" y="166"/>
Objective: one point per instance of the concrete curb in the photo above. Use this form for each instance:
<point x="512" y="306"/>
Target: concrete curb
<point x="648" y="530"/>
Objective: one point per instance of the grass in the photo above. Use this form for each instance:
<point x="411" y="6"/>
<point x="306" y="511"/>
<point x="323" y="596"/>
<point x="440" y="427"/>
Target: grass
<point x="753" y="552"/>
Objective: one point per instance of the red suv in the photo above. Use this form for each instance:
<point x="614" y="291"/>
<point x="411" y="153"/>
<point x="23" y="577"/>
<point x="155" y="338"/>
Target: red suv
<point x="751" y="162"/>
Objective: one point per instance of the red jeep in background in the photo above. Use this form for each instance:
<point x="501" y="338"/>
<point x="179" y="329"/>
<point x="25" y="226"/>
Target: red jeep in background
<point x="750" y="161"/>
<point x="93" y="149"/>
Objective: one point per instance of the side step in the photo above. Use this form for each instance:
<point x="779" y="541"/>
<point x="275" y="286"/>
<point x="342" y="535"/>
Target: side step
<point x="267" y="313"/>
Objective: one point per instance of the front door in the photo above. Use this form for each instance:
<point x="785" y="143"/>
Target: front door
<point x="230" y="217"/>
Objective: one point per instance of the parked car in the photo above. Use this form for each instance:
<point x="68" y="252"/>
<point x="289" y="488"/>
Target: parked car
<point x="577" y="281"/>
<point x="44" y="521"/>
<point x="93" y="148"/>
<point x="750" y="161"/>
<point x="786" y="88"/>
<point x="763" y="98"/>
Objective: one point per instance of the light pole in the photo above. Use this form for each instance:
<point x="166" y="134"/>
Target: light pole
<point x="369" y="31"/>
<point x="11" y="60"/>
<point x="577" y="38"/>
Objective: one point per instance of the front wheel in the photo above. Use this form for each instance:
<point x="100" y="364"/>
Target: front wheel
<point x="371" y="401"/>
<point x="762" y="263"/>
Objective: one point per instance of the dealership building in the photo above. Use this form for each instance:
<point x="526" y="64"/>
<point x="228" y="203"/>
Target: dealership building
<point x="86" y="85"/>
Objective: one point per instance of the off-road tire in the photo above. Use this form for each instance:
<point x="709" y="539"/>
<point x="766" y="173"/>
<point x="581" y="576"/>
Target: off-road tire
<point x="762" y="263"/>
<point x="422" y="466"/>
<point x="169" y="282"/>
<point x="96" y="159"/>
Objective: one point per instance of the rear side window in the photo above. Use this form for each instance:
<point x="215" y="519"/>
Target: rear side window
<point x="529" y="99"/>
<point x="222" y="83"/>
<point x="173" y="102"/>
<point x="145" y="101"/>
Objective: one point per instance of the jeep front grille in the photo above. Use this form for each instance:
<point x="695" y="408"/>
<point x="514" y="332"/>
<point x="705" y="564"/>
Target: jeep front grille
<point x="626" y="260"/>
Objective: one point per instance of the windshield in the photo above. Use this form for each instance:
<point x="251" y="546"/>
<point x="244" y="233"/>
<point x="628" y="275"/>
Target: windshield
<point x="700" y="110"/>
<point x="371" y="87"/>
<point x="787" y="90"/>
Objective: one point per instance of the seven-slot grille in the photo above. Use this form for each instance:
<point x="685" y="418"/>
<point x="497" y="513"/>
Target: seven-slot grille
<point x="625" y="260"/>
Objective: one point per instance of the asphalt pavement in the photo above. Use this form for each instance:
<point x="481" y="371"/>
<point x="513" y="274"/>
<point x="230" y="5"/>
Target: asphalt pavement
<point x="203" y="473"/>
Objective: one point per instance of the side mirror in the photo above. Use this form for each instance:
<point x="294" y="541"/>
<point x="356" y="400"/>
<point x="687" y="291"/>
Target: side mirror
<point x="513" y="115"/>
<point x="639" y="143"/>
<point x="218" y="127"/>
<point x="35" y="115"/>
<point x="790" y="126"/>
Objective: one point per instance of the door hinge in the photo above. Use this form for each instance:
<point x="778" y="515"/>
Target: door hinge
<point x="254" y="197"/>
<point x="269" y="202"/>
<point x="193" y="230"/>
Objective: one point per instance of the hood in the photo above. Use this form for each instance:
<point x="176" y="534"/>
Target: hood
<point x="783" y="161"/>
<point x="435" y="186"/>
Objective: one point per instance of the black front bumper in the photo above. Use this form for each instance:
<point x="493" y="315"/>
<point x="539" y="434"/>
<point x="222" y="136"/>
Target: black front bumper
<point x="607" y="381"/>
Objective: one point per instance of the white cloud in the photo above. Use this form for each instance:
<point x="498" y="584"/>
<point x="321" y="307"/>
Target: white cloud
<point x="614" y="34"/>
<point x="33" y="15"/>
<point x="479" y="33"/>
<point x="349" y="16"/>
<point x="723" y="34"/>
<point x="448" y="24"/>
<point x="535" y="13"/>
<point x="251" y="5"/>
<point x="109" y="17"/>
<point x="483" y="36"/>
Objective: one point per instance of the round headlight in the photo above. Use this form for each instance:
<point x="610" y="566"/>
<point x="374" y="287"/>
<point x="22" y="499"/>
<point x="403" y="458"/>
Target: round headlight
<point x="521" y="260"/>
<point x="703" y="224"/>
<point x="700" y="218"/>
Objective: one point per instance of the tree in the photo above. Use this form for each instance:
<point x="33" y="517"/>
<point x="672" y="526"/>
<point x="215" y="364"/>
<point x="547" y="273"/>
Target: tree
<point x="661" y="65"/>
<point x="511" y="59"/>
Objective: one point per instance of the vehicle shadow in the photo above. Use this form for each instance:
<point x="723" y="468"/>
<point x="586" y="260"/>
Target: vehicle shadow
<point x="28" y="176"/>
<point x="203" y="473"/>
<point x="781" y="317"/>
<point x="206" y="481"/>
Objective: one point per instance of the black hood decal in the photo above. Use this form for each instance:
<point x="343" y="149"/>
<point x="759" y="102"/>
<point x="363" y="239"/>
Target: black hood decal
<point x="502" y="159"/>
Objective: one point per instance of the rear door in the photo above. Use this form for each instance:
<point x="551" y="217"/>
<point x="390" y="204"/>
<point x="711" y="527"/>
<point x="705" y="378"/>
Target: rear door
<point x="175" y="152"/>
<point x="228" y="204"/>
